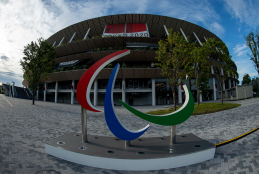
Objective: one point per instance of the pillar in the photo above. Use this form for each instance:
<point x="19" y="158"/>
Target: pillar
<point x="197" y="38"/>
<point x="123" y="90"/>
<point x="54" y="44"/>
<point x="214" y="85"/>
<point x="166" y="31"/>
<point x="222" y="73"/>
<point x="180" y="98"/>
<point x="72" y="37"/>
<point x="86" y="35"/>
<point x="45" y="92"/>
<point x="95" y="92"/>
<point x="72" y="92"/>
<point x="167" y="95"/>
<point x="37" y="94"/>
<point x="214" y="89"/>
<point x="61" y="41"/>
<point x="153" y="92"/>
<point x="184" y="35"/>
<point x="56" y="92"/>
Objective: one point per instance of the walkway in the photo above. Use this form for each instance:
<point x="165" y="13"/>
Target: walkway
<point x="25" y="128"/>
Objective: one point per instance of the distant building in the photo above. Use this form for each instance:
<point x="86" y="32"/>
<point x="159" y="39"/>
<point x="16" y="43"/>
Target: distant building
<point x="17" y="92"/>
<point x="138" y="82"/>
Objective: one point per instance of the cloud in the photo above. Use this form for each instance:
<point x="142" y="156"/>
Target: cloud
<point x="240" y="50"/>
<point x="201" y="13"/>
<point x="245" y="66"/>
<point x="27" y="20"/>
<point x="243" y="62"/>
<point x="3" y="57"/>
<point x="6" y="78"/>
<point x="246" y="11"/>
<point x="216" y="28"/>
<point x="10" y="73"/>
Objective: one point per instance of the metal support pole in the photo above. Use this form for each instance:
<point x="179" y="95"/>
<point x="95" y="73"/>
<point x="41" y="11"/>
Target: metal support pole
<point x="84" y="124"/>
<point x="173" y="135"/>
<point x="61" y="41"/>
<point x="166" y="31"/>
<point x="153" y="92"/>
<point x="88" y="33"/>
<point x="56" y="92"/>
<point x="127" y="143"/>
<point x="45" y="91"/>
<point x="123" y="90"/>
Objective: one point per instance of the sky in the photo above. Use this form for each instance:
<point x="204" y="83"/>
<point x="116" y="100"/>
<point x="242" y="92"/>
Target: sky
<point x="23" y="21"/>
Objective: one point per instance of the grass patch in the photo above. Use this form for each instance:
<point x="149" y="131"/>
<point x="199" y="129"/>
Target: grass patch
<point x="203" y="108"/>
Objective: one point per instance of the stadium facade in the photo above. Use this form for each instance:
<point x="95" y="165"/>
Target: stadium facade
<point x="139" y="81"/>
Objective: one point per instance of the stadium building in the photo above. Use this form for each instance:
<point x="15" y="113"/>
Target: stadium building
<point x="139" y="81"/>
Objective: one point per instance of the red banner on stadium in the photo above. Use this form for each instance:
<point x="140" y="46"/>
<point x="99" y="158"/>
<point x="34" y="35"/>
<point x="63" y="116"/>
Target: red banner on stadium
<point x="129" y="30"/>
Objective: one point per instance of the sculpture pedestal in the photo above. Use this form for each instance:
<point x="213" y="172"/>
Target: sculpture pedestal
<point x="142" y="154"/>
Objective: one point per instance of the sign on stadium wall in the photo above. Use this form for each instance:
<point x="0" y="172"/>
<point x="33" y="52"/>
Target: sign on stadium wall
<point x="126" y="30"/>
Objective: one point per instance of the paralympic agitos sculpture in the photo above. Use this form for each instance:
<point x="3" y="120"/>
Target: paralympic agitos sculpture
<point x="120" y="131"/>
<point x="152" y="153"/>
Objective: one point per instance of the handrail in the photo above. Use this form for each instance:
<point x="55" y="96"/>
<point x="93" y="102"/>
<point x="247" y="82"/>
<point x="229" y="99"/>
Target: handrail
<point x="26" y="93"/>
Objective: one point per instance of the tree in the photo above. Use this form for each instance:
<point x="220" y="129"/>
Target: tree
<point x="221" y="62"/>
<point x="252" y="41"/>
<point x="172" y="56"/>
<point x="203" y="85"/>
<point x="198" y="64"/>
<point x="246" y="79"/>
<point x="37" y="63"/>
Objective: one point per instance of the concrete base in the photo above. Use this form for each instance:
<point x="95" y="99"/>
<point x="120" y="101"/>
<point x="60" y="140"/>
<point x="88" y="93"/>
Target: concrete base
<point x="142" y="154"/>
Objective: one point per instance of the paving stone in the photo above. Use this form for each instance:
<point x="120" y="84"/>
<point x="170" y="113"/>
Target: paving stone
<point x="25" y="128"/>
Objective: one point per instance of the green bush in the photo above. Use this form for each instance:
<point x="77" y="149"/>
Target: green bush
<point x="203" y="108"/>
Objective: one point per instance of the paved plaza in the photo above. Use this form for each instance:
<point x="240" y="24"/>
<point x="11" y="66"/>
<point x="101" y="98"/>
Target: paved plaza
<point x="25" y="128"/>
